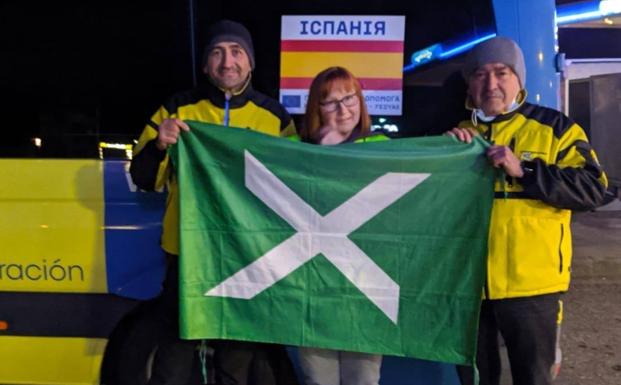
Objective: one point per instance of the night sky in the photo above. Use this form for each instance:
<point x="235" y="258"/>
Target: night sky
<point x="76" y="72"/>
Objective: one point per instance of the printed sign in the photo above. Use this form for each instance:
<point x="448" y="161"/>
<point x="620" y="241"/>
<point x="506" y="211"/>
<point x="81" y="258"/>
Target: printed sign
<point x="371" y="47"/>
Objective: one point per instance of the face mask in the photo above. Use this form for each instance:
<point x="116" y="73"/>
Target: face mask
<point x="485" y="118"/>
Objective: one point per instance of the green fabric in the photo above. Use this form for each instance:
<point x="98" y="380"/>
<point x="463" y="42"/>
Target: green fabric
<point x="373" y="137"/>
<point x="431" y="242"/>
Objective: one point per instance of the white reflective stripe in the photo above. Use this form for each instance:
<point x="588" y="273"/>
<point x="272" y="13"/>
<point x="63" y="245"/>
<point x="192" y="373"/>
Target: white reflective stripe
<point x="316" y="234"/>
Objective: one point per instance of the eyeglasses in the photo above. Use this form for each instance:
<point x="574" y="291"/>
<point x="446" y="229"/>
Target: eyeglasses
<point x="333" y="105"/>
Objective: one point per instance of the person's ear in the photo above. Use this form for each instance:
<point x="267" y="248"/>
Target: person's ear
<point x="469" y="102"/>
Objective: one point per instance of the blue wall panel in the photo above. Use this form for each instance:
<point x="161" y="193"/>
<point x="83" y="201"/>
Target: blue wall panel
<point x="531" y="24"/>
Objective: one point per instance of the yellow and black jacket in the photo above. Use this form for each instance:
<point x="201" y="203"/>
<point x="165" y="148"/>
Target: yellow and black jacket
<point x="150" y="167"/>
<point x="530" y="240"/>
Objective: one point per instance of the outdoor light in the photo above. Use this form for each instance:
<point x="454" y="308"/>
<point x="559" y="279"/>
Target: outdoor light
<point x="443" y="51"/>
<point x="587" y="10"/>
<point x="128" y="148"/>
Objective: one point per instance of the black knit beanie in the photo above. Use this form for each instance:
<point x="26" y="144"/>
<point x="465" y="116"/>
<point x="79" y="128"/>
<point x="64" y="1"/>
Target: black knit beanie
<point x="227" y="30"/>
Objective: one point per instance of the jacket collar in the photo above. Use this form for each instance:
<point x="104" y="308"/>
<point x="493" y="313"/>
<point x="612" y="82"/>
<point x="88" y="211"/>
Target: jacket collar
<point x="353" y="136"/>
<point x="356" y="133"/>
<point x="217" y="97"/>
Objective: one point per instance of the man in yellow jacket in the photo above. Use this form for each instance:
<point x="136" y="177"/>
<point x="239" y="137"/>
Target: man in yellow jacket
<point x="549" y="169"/>
<point x="228" y="99"/>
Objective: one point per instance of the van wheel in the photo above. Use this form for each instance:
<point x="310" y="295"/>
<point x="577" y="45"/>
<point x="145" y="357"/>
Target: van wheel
<point x="132" y="349"/>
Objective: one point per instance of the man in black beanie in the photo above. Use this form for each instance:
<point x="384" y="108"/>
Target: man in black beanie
<point x="229" y="56"/>
<point x="548" y="169"/>
<point x="228" y="99"/>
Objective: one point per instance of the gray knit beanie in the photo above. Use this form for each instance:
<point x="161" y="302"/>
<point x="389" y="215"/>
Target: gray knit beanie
<point x="496" y="50"/>
<point x="227" y="30"/>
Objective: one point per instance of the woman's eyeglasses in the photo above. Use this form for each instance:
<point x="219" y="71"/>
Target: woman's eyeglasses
<point x="333" y="105"/>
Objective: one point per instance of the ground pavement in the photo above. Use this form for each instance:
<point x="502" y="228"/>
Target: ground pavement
<point x="591" y="334"/>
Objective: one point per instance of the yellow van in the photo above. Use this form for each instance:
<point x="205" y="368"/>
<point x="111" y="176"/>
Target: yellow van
<point x="79" y="261"/>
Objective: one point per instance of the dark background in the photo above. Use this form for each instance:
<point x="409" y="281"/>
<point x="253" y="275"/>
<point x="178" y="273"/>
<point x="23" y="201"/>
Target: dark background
<point x="75" y="73"/>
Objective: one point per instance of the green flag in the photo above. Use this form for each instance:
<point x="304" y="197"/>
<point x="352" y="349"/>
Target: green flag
<point x="373" y="247"/>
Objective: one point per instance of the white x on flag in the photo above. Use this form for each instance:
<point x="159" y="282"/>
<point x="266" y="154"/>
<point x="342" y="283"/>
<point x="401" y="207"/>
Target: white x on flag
<point x="320" y="234"/>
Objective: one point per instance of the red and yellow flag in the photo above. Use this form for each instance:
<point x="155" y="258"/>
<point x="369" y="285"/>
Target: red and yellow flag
<point x="371" y="47"/>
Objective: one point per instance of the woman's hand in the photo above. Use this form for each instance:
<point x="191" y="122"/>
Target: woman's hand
<point x="330" y="135"/>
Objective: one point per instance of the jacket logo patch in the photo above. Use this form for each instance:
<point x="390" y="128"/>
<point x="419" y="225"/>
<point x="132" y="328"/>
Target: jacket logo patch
<point x="530" y="155"/>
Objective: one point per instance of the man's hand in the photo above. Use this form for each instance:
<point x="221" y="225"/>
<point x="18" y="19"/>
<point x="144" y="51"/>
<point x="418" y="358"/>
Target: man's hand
<point x="502" y="156"/>
<point x="168" y="132"/>
<point x="462" y="134"/>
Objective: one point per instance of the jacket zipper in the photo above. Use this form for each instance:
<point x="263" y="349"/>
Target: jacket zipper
<point x="560" y="251"/>
<point x="501" y="177"/>
<point x="488" y="134"/>
<point x="509" y="179"/>
<point x="227" y="108"/>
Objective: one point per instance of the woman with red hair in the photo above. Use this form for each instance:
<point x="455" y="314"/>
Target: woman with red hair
<point x="337" y="113"/>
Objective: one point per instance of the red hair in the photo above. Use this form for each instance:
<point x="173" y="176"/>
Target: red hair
<point x="320" y="88"/>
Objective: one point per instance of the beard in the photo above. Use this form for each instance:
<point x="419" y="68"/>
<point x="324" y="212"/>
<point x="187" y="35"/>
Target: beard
<point x="229" y="79"/>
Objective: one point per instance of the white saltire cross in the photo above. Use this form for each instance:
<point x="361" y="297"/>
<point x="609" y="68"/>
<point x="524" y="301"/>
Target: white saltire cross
<point x="320" y="234"/>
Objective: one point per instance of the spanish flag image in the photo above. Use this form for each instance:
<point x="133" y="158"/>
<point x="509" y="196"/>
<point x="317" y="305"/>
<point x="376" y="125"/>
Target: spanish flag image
<point x="371" y="47"/>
